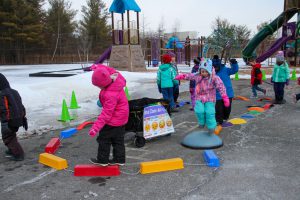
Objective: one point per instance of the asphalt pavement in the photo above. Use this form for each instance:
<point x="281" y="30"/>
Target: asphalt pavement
<point x="259" y="160"/>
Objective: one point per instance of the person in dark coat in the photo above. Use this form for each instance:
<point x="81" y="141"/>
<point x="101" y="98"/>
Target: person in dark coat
<point x="12" y="115"/>
<point x="176" y="83"/>
<point x="195" y="69"/>
<point x="296" y="97"/>
<point x="222" y="112"/>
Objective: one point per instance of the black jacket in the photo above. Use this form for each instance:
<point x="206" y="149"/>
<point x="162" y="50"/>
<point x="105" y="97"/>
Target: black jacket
<point x="11" y="107"/>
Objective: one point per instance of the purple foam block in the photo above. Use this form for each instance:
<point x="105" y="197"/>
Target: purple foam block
<point x="226" y="124"/>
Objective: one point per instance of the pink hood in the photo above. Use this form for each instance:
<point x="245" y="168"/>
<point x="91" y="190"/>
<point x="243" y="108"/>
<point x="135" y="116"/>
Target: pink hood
<point x="112" y="72"/>
<point x="115" y="110"/>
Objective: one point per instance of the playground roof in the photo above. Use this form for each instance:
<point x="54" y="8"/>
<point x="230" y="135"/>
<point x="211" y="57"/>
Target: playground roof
<point x="172" y="40"/>
<point x="120" y="6"/>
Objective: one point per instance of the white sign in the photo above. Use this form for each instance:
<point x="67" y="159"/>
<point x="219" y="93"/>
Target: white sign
<point x="157" y="122"/>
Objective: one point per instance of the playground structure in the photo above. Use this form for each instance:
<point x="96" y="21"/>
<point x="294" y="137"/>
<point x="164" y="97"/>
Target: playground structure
<point x="290" y="33"/>
<point x="184" y="51"/>
<point x="125" y="52"/>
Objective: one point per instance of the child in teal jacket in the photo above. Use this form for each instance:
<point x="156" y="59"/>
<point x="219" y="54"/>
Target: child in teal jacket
<point x="280" y="77"/>
<point x="166" y="80"/>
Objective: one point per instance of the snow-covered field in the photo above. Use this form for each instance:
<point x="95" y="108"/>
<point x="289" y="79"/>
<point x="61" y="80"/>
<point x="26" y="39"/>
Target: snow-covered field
<point x="43" y="96"/>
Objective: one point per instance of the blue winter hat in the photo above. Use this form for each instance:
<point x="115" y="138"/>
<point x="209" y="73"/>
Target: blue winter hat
<point x="207" y="65"/>
<point x="216" y="62"/>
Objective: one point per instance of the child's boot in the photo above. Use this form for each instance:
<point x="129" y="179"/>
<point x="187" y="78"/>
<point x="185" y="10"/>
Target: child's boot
<point x="218" y="129"/>
<point x="265" y="92"/>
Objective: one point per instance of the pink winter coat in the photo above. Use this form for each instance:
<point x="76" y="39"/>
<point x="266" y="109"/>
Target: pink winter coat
<point x="206" y="87"/>
<point x="115" y="110"/>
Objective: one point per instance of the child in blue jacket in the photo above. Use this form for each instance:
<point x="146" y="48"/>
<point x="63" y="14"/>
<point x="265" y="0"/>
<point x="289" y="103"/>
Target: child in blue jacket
<point x="222" y="112"/>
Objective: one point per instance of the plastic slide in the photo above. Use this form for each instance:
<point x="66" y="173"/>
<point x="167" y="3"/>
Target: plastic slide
<point x="101" y="59"/>
<point x="276" y="46"/>
<point x="104" y="56"/>
<point x="266" y="31"/>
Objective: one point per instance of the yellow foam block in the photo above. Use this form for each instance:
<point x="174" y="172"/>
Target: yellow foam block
<point x="237" y="121"/>
<point x="161" y="165"/>
<point x="53" y="161"/>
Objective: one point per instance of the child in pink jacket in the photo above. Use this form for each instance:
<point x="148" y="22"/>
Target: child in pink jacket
<point x="111" y="122"/>
<point x="206" y="84"/>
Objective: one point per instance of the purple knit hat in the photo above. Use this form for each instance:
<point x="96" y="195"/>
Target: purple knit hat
<point x="171" y="54"/>
<point x="280" y="56"/>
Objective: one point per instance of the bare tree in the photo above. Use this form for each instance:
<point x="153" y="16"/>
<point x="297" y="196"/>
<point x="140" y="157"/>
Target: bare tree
<point x="161" y="27"/>
<point x="266" y="43"/>
<point x="176" y="27"/>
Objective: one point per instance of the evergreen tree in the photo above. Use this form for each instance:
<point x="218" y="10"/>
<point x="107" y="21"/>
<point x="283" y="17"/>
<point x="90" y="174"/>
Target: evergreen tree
<point x="60" y="27"/>
<point x="94" y="30"/>
<point x="21" y="28"/>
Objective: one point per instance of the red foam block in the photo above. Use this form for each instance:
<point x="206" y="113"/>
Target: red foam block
<point x="52" y="146"/>
<point x="81" y="126"/>
<point x="268" y="106"/>
<point x="94" y="170"/>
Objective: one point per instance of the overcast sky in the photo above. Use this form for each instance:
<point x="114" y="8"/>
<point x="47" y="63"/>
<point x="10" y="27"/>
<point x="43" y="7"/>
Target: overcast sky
<point x="198" y="15"/>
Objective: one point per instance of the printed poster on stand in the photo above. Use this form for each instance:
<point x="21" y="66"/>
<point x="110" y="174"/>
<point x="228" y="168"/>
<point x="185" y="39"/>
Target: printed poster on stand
<point x="157" y="122"/>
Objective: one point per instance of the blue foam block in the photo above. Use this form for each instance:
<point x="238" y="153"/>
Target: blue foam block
<point x="180" y="104"/>
<point x="68" y="133"/>
<point x="211" y="159"/>
<point x="247" y="116"/>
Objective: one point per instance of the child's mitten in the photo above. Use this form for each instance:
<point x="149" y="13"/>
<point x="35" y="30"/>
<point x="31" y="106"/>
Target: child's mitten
<point x="93" y="132"/>
<point x="226" y="100"/>
<point x="180" y="76"/>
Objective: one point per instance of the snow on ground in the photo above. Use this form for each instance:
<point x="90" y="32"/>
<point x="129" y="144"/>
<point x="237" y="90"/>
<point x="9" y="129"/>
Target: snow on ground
<point x="43" y="96"/>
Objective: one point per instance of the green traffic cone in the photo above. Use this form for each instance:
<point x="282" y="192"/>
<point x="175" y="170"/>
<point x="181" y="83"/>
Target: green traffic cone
<point x="65" y="116"/>
<point x="294" y="77"/>
<point x="236" y="76"/>
<point x="73" y="104"/>
<point x="127" y="93"/>
<point x="263" y="75"/>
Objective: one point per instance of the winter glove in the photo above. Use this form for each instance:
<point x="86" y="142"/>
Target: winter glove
<point x="159" y="88"/>
<point x="233" y="61"/>
<point x="25" y="124"/>
<point x="180" y="76"/>
<point x="5" y="129"/>
<point x="93" y="132"/>
<point x="287" y="82"/>
<point x="226" y="100"/>
<point x="272" y="80"/>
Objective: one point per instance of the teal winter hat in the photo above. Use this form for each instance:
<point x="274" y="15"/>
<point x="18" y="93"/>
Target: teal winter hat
<point x="207" y="65"/>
